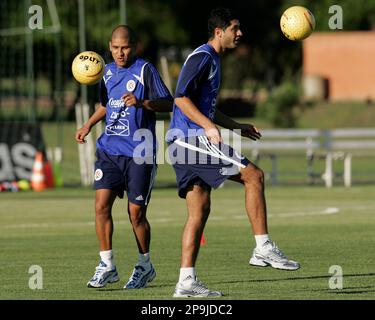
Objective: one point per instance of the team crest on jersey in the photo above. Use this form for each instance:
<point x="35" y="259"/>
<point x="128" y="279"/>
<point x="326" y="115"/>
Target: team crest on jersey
<point x="98" y="174"/>
<point x="130" y="85"/>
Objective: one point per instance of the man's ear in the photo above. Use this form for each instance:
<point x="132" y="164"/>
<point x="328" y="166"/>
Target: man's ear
<point x="110" y="45"/>
<point x="218" y="32"/>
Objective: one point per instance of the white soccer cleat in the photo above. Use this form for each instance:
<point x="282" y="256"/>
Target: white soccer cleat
<point x="271" y="255"/>
<point x="187" y="289"/>
<point x="102" y="276"/>
<point x="140" y="277"/>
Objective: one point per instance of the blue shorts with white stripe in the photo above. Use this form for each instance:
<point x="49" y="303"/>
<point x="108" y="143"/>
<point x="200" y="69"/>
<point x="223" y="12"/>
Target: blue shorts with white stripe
<point x="197" y="161"/>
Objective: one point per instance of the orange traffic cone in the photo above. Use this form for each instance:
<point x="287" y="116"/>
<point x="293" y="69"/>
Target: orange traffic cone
<point x="203" y="240"/>
<point x="38" y="182"/>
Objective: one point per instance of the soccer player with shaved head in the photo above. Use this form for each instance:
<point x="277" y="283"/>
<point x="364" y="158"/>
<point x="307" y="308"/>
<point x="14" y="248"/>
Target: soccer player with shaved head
<point x="131" y="91"/>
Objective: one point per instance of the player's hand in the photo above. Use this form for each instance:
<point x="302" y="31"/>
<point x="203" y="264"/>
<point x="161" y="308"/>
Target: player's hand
<point x="131" y="100"/>
<point x="250" y="131"/>
<point x="82" y="133"/>
<point x="213" y="134"/>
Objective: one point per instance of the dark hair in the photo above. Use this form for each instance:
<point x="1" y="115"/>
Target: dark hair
<point x="219" y="18"/>
<point x="131" y="35"/>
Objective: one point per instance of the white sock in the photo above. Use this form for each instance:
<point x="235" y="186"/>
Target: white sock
<point x="144" y="259"/>
<point x="261" y="239"/>
<point x="107" y="258"/>
<point x="186" y="273"/>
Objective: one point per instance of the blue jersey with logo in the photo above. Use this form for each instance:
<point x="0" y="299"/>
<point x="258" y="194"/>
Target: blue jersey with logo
<point x="199" y="80"/>
<point x="122" y="135"/>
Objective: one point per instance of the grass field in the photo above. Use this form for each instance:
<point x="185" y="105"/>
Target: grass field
<point x="318" y="227"/>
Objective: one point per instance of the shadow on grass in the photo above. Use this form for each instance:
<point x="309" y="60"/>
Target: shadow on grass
<point x="107" y="289"/>
<point x="150" y="286"/>
<point x="351" y="291"/>
<point x="300" y="278"/>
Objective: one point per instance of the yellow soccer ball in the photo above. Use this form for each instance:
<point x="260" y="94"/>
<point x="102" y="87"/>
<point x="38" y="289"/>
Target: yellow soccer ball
<point x="88" y="67"/>
<point x="297" y="23"/>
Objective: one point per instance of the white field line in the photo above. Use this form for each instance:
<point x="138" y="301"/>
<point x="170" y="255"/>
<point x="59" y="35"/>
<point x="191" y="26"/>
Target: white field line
<point x="327" y="211"/>
<point x="72" y="224"/>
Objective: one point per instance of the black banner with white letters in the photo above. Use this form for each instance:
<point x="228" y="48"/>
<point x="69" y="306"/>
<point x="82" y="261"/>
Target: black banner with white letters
<point x="19" y="142"/>
<point x="193" y="309"/>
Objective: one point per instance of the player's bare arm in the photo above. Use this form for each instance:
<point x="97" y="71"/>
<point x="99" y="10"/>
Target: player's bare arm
<point x="192" y="112"/>
<point x="247" y="130"/>
<point x="158" y="105"/>
<point x="98" y="115"/>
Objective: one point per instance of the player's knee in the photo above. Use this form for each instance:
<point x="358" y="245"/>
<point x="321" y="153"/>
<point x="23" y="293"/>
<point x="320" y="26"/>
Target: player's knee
<point x="199" y="213"/>
<point x="102" y="208"/>
<point x="137" y="220"/>
<point x="254" y="176"/>
<point x="136" y="216"/>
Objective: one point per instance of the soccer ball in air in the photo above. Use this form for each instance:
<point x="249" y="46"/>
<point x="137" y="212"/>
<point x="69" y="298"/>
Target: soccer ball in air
<point x="297" y="23"/>
<point x="88" y="67"/>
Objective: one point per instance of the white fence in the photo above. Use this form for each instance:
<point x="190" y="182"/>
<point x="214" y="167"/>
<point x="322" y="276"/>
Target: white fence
<point x="329" y="145"/>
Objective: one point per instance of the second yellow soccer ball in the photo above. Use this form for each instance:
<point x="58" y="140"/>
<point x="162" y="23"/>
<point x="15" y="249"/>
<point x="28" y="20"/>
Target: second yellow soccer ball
<point x="297" y="23"/>
<point x="88" y="67"/>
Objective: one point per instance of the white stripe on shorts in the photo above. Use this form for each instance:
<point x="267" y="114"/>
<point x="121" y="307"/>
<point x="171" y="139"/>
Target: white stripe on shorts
<point x="212" y="146"/>
<point x="210" y="152"/>
<point x="209" y="146"/>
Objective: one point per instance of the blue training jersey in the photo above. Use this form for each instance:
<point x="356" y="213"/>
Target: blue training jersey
<point x="122" y="134"/>
<point x="199" y="80"/>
